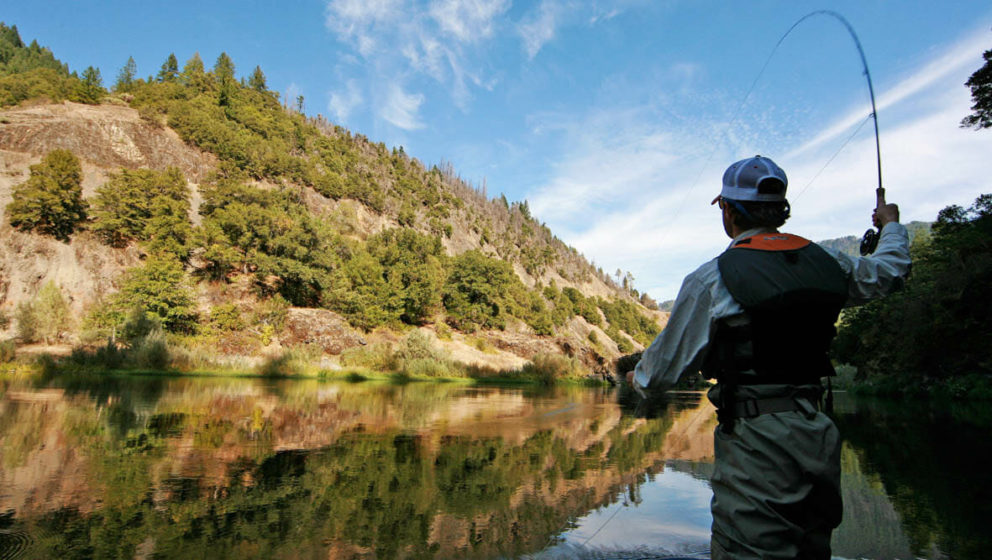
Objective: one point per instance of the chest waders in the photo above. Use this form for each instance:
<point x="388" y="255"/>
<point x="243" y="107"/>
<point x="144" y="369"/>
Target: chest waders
<point x="792" y="292"/>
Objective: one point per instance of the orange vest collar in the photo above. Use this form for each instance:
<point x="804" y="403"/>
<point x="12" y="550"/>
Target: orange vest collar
<point x="772" y="242"/>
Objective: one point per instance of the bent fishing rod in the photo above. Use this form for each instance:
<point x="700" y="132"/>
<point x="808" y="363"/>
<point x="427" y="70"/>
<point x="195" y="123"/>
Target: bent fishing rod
<point x="869" y="241"/>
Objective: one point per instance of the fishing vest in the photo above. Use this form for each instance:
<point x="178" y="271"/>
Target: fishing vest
<point x="792" y="292"/>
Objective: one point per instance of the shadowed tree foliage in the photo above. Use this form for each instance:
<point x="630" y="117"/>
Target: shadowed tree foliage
<point x="268" y="233"/>
<point x="51" y="200"/>
<point x="980" y="84"/>
<point x="936" y="329"/>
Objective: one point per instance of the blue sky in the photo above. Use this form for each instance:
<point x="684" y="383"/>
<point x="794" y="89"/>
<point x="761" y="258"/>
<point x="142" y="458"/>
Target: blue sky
<point x="614" y="119"/>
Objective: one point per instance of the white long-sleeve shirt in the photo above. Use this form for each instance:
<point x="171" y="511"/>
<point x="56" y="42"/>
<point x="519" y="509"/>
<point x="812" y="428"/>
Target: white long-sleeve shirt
<point x="704" y="299"/>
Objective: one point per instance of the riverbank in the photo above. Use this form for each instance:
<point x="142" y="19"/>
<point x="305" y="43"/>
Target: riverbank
<point x="372" y="365"/>
<point x="958" y="387"/>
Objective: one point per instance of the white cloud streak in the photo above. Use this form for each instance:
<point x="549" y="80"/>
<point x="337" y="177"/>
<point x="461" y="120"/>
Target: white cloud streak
<point x="342" y="103"/>
<point x="402" y="109"/>
<point x="539" y="28"/>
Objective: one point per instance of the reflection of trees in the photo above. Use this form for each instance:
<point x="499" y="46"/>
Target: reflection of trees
<point x="366" y="491"/>
<point x="932" y="466"/>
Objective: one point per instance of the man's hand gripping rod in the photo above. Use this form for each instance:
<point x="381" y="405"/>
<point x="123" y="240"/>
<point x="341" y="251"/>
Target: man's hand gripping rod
<point x="870" y="239"/>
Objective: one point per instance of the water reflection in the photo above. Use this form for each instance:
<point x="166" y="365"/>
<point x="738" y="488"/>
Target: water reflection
<point x="131" y="467"/>
<point x="237" y="468"/>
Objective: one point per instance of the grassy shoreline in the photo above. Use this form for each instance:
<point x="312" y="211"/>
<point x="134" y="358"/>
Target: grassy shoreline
<point x="546" y="371"/>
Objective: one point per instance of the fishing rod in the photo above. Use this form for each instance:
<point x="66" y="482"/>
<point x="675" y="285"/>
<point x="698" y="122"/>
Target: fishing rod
<point x="869" y="241"/>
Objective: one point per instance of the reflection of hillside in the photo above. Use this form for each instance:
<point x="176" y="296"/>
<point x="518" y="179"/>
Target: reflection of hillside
<point x="929" y="463"/>
<point x="877" y="532"/>
<point x="347" y="471"/>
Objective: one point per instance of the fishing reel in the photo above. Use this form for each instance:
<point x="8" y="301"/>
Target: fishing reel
<point x="869" y="242"/>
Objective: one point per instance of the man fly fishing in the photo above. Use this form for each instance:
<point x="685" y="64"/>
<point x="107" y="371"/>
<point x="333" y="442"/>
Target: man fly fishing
<point x="759" y="319"/>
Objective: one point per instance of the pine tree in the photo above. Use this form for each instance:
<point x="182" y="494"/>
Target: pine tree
<point x="224" y="68"/>
<point x="170" y="69"/>
<point x="257" y="80"/>
<point x="51" y="200"/>
<point x="193" y="74"/>
<point x="224" y="75"/>
<point x="92" y="85"/>
<point x="125" y="78"/>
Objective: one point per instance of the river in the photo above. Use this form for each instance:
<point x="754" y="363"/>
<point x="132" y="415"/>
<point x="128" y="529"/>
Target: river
<point x="157" y="467"/>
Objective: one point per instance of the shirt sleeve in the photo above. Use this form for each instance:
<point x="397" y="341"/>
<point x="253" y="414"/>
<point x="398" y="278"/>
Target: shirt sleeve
<point x="681" y="345"/>
<point x="876" y="275"/>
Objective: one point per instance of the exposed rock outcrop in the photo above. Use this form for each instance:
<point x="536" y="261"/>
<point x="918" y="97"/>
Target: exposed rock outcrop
<point x="324" y="328"/>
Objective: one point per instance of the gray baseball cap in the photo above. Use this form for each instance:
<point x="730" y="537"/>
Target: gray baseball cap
<point x="758" y="179"/>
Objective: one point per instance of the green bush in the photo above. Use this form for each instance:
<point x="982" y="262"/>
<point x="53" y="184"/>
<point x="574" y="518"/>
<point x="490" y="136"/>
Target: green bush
<point x="8" y="350"/>
<point x="377" y="357"/>
<point x="549" y="367"/>
<point x="43" y="318"/>
<point x="227" y="317"/>
<point x="161" y="288"/>
<point x="425" y="367"/>
<point x="151" y="352"/>
<point x="144" y="205"/>
<point x="475" y="292"/>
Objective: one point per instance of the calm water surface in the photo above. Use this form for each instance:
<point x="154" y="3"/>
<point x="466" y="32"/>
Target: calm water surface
<point x="208" y="468"/>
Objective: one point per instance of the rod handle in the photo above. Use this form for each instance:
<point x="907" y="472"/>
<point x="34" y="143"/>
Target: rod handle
<point x="879" y="197"/>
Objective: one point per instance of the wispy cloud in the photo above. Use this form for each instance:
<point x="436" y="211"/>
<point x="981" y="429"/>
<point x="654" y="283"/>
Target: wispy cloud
<point x="448" y="41"/>
<point x="342" y="103"/>
<point x="540" y="26"/>
<point x="468" y="21"/>
<point x="402" y="109"/>
<point x="399" y="40"/>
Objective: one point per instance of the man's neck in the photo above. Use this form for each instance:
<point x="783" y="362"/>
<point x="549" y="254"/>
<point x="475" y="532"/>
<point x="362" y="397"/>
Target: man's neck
<point x="738" y="233"/>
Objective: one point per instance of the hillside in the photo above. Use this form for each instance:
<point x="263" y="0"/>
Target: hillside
<point x="278" y="232"/>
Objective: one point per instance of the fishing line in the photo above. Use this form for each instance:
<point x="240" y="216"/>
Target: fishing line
<point x="619" y="508"/>
<point x="829" y="161"/>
